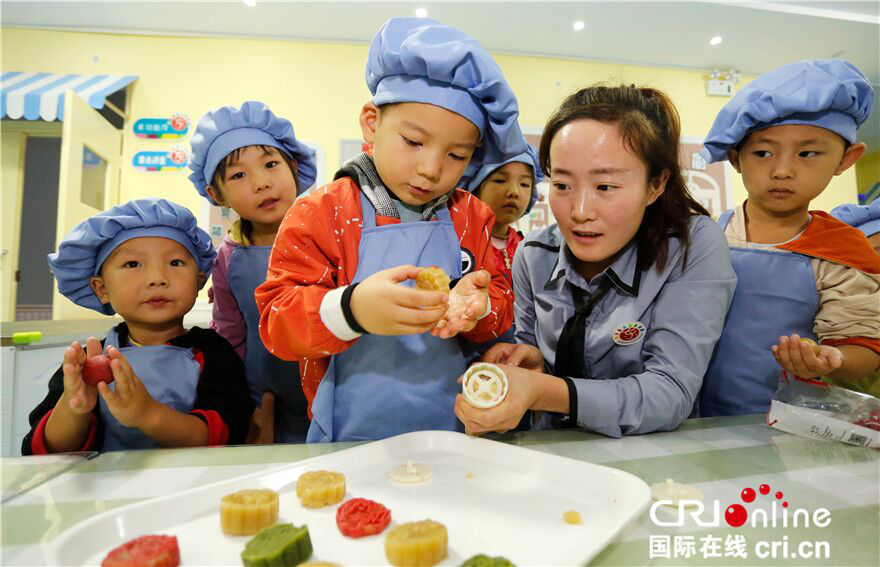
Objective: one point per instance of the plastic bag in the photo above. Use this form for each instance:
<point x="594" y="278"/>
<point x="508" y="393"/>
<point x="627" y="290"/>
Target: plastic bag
<point x="811" y="408"/>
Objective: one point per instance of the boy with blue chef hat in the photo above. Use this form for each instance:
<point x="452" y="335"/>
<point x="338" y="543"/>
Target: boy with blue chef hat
<point x="801" y="274"/>
<point x="863" y="217"/>
<point x="378" y="358"/>
<point x="146" y="261"/>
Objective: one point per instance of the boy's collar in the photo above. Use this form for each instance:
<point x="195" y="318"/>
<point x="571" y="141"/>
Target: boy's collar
<point x="124" y="336"/>
<point x="362" y="170"/>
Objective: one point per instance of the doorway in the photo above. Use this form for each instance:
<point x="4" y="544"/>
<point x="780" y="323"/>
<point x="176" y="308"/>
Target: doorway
<point x="39" y="216"/>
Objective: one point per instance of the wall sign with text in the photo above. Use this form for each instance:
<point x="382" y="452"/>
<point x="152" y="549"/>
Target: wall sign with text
<point x="172" y="128"/>
<point x="174" y="160"/>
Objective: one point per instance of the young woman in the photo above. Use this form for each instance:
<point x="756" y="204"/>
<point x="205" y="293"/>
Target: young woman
<point x="618" y="306"/>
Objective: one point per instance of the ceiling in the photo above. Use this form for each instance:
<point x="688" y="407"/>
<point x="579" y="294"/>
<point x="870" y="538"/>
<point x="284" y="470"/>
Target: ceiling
<point x="757" y="36"/>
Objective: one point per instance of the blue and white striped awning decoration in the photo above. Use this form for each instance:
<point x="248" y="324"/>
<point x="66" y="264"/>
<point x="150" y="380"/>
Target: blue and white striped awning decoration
<point x="36" y="96"/>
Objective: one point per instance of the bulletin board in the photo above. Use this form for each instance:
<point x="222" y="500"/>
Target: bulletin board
<point x="710" y="184"/>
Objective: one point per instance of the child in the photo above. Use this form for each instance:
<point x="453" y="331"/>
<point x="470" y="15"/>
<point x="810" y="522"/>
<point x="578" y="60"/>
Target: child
<point x="800" y="273"/>
<point x="248" y="159"/>
<point x="370" y="368"/>
<point x="145" y="260"/>
<point x="511" y="190"/>
<point x="863" y="217"/>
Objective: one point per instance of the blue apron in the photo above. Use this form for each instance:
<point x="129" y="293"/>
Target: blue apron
<point x="775" y="295"/>
<point x="388" y="385"/>
<point x="169" y="373"/>
<point x="265" y="372"/>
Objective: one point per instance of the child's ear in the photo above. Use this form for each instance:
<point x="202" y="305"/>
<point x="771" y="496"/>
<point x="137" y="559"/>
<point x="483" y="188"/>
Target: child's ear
<point x="369" y="120"/>
<point x="97" y="284"/>
<point x="215" y="194"/>
<point x="202" y="279"/>
<point x="851" y="156"/>
<point x="733" y="158"/>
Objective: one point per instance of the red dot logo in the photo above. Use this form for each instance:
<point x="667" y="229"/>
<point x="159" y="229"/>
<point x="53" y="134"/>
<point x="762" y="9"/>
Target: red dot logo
<point x="179" y="122"/>
<point x="748" y="495"/>
<point x="735" y="515"/>
<point x="764" y="489"/>
<point x="779" y="495"/>
<point x="178" y="156"/>
<point x="629" y="334"/>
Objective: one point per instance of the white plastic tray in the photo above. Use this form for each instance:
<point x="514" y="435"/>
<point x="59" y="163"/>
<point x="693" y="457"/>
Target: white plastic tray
<point x="512" y="507"/>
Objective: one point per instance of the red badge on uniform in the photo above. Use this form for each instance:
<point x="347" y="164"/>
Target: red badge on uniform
<point x="629" y="333"/>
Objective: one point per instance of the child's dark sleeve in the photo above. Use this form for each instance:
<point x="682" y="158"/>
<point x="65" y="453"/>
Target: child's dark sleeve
<point x="34" y="443"/>
<point x="223" y="401"/>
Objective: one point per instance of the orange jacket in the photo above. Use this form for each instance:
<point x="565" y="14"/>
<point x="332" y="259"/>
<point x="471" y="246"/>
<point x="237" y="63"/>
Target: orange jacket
<point x="316" y="251"/>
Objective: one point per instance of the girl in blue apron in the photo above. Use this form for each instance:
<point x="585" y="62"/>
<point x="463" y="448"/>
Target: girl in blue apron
<point x="144" y="260"/>
<point x="618" y="305"/>
<point x="800" y="273"/>
<point x="249" y="160"/>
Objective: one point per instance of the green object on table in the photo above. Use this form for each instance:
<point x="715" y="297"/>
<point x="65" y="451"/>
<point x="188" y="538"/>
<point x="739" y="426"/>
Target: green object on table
<point x="281" y="545"/>
<point x="486" y="561"/>
<point x="26" y="337"/>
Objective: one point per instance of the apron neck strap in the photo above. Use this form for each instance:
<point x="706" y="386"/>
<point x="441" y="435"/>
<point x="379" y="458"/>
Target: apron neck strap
<point x="112" y="338"/>
<point x="442" y="212"/>
<point x="368" y="212"/>
<point x="724" y="219"/>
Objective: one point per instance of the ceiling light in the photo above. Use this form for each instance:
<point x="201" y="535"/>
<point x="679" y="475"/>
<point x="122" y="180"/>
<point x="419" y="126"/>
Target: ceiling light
<point x="421" y="13"/>
<point x="578" y="25"/>
<point x="715" y="40"/>
<point x="250" y="3"/>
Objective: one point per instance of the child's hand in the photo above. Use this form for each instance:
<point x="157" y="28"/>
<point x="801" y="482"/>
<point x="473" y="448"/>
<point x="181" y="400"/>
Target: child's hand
<point x="797" y="357"/>
<point x="467" y="303"/>
<point x="131" y="404"/>
<point x="384" y="307"/>
<point x="81" y="398"/>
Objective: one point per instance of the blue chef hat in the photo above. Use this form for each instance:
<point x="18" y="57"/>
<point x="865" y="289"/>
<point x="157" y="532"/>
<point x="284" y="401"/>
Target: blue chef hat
<point x="529" y="158"/>
<point x="222" y="131"/>
<point x="832" y="94"/>
<point x="472" y="168"/>
<point x="863" y="217"/>
<point x="421" y="60"/>
<point x="83" y="251"/>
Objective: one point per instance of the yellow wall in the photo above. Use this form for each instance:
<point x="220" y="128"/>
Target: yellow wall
<point x="318" y="86"/>
<point x="868" y="171"/>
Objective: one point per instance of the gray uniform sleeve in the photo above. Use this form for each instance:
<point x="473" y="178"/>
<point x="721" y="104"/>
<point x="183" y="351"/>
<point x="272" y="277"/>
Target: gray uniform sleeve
<point x="523" y="304"/>
<point x="687" y="320"/>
